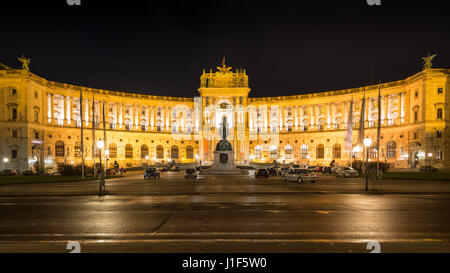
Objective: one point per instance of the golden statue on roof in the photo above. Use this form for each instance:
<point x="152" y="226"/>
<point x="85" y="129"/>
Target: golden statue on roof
<point x="427" y="61"/>
<point x="25" y="62"/>
<point x="224" y="68"/>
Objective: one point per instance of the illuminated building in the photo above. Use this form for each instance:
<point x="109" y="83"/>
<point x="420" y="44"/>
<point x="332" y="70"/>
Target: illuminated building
<point x="41" y="120"/>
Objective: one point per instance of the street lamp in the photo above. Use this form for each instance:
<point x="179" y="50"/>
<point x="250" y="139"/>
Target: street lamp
<point x="100" y="145"/>
<point x="6" y="160"/>
<point x="146" y="157"/>
<point x="367" y="144"/>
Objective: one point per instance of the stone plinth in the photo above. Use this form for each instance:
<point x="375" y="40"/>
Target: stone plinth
<point x="224" y="163"/>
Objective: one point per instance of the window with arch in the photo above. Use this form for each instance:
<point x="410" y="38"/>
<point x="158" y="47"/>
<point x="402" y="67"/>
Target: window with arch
<point x="159" y="151"/>
<point x="112" y="148"/>
<point x="304" y="151"/>
<point x="77" y="149"/>
<point x="174" y="152"/>
<point x="439" y="113"/>
<point x="258" y="151"/>
<point x="144" y="151"/>
<point x="189" y="152"/>
<point x="337" y="150"/>
<point x="288" y="151"/>
<point x="320" y="151"/>
<point x="391" y="149"/>
<point x="128" y="151"/>
<point x="59" y="148"/>
<point x="273" y="152"/>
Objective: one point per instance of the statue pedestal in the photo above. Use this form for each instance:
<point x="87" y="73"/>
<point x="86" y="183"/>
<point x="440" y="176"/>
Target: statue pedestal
<point x="224" y="163"/>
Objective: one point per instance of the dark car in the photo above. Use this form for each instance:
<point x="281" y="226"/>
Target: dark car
<point x="261" y="173"/>
<point x="427" y="169"/>
<point x="272" y="171"/>
<point x="190" y="173"/>
<point x="151" y="173"/>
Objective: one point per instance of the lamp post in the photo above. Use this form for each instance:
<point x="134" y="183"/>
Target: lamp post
<point x="6" y="160"/>
<point x="101" y="191"/>
<point x="367" y="144"/>
<point x="146" y="157"/>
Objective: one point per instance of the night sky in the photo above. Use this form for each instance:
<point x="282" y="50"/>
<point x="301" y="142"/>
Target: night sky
<point x="286" y="47"/>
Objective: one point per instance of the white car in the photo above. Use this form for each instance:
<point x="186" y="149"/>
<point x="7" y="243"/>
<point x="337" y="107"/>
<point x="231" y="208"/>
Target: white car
<point x="346" y="172"/>
<point x="300" y="175"/>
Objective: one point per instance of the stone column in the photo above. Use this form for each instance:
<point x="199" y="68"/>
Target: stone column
<point x="68" y="109"/>
<point x="329" y="115"/>
<point x="49" y="107"/>
<point x="402" y="107"/>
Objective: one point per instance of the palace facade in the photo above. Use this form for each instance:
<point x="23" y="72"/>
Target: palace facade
<point x="41" y="122"/>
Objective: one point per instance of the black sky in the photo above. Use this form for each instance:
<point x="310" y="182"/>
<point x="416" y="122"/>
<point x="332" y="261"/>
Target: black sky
<point x="286" y="47"/>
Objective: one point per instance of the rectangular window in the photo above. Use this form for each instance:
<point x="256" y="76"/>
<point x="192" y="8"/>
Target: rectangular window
<point x="13" y="154"/>
<point x="416" y="116"/>
<point x="143" y="127"/>
<point x="439" y="133"/>
<point x="439" y="155"/>
<point x="415" y="135"/>
<point x="13" y="91"/>
<point x="440" y="90"/>
<point x="14" y="133"/>
<point x="36" y="116"/>
<point x="14" y="113"/>
<point x="439" y="113"/>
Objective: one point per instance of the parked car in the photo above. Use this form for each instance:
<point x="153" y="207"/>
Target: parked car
<point x="312" y="168"/>
<point x="272" y="171"/>
<point x="151" y="173"/>
<point x="29" y="173"/>
<point x="428" y="169"/>
<point x="295" y="166"/>
<point x="300" y="175"/>
<point x="163" y="169"/>
<point x="190" y="173"/>
<point x="346" y="172"/>
<point x="174" y="169"/>
<point x="319" y="169"/>
<point x="326" y="170"/>
<point x="261" y="173"/>
<point x="9" y="172"/>
<point x="282" y="171"/>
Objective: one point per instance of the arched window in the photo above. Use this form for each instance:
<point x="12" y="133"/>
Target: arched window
<point x="320" y="151"/>
<point x="144" y="151"/>
<point x="273" y="152"/>
<point x="77" y="149"/>
<point x="59" y="148"/>
<point x="288" y="151"/>
<point x="174" y="152"/>
<point x="304" y="151"/>
<point x="258" y="152"/>
<point x="159" y="151"/>
<point x="128" y="151"/>
<point x="337" y="150"/>
<point x="112" y="150"/>
<point x="391" y="149"/>
<point x="189" y="152"/>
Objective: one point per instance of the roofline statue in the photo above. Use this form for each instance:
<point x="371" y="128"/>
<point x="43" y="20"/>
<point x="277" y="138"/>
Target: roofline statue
<point x="25" y="62"/>
<point x="427" y="61"/>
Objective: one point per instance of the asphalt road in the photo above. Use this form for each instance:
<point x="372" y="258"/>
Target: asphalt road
<point x="225" y="214"/>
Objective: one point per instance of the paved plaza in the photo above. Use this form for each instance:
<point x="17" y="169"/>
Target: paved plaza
<point x="226" y="214"/>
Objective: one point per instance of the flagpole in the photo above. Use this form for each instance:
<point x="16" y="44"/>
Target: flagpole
<point x="378" y="129"/>
<point x="81" y="119"/>
<point x="93" y="133"/>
